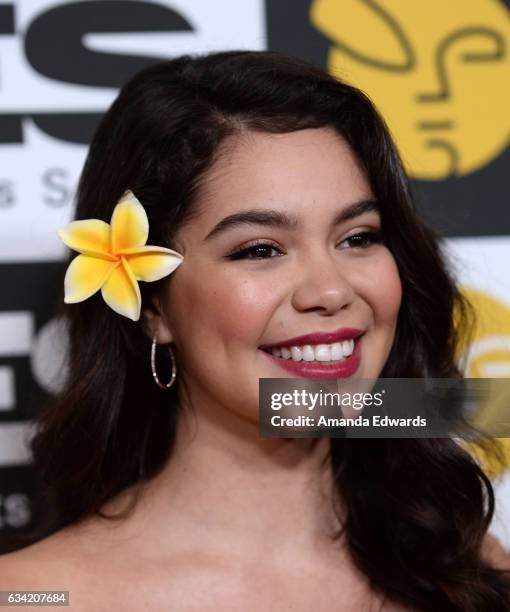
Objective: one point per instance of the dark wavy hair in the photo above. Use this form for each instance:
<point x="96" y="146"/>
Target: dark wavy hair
<point x="416" y="510"/>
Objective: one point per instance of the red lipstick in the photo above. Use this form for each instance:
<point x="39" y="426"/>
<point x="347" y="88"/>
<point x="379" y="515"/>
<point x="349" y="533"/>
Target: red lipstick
<point x="305" y="369"/>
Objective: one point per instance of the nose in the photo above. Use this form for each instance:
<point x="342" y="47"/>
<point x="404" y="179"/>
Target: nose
<point x="322" y="287"/>
<point x="438" y="85"/>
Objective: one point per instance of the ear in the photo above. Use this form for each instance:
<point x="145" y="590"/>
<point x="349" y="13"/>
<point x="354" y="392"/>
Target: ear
<point x="155" y="323"/>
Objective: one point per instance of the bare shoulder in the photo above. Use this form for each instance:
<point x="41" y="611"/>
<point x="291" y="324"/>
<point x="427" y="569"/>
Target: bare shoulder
<point x="98" y="563"/>
<point x="34" y="563"/>
<point x="52" y="564"/>
<point x="494" y="552"/>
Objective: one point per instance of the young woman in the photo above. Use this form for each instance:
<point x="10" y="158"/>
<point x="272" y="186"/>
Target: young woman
<point x="281" y="190"/>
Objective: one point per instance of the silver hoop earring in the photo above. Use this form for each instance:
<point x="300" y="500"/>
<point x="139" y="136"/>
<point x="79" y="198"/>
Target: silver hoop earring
<point x="153" y="366"/>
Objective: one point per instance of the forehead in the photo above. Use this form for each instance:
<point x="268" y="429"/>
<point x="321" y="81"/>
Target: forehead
<point x="305" y="170"/>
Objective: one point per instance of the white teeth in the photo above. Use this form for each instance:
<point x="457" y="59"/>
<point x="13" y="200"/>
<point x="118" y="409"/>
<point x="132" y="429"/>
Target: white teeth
<point x="347" y="347"/>
<point x="285" y="352"/>
<point x="323" y="352"/>
<point x="336" y="351"/>
<point x="296" y="353"/>
<point x="320" y="352"/>
<point x="308" y="353"/>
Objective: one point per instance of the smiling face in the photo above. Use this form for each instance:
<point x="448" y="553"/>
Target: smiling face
<point x="229" y="297"/>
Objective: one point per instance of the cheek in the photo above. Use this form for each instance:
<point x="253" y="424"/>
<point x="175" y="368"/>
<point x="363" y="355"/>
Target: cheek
<point x="227" y="310"/>
<point x="382" y="288"/>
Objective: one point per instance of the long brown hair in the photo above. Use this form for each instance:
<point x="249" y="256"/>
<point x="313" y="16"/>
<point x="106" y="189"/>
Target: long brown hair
<point x="416" y="509"/>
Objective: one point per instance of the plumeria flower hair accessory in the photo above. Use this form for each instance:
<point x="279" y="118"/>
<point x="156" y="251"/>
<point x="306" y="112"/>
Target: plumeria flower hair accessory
<point x="114" y="257"/>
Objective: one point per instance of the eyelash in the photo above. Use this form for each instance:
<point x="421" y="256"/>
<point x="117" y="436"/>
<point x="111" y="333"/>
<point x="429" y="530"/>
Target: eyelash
<point x="372" y="236"/>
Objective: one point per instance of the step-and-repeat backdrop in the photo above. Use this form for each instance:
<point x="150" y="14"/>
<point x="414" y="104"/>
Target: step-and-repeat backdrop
<point x="439" y="72"/>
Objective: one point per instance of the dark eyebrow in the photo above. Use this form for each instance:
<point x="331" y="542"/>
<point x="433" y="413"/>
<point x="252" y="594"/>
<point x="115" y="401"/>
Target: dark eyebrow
<point x="276" y="218"/>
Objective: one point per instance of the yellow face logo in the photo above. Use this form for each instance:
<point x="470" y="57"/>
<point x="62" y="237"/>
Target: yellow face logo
<point x="489" y="357"/>
<point x="439" y="72"/>
<point x="489" y="353"/>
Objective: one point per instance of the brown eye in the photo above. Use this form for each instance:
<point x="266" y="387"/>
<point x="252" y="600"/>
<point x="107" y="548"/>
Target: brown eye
<point x="257" y="251"/>
<point x="364" y="240"/>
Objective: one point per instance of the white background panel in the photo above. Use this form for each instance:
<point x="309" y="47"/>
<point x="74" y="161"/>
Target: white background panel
<point x="14" y="440"/>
